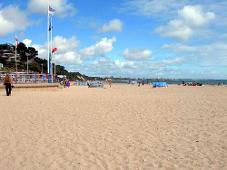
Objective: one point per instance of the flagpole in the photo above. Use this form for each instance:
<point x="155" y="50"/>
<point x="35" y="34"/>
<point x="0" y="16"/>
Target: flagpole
<point x="50" y="42"/>
<point x="16" y="57"/>
<point x="48" y="49"/>
<point x="27" y="62"/>
<point x="51" y="47"/>
<point x="15" y="52"/>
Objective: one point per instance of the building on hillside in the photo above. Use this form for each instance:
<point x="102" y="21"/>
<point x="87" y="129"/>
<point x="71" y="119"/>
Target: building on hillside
<point x="7" y="52"/>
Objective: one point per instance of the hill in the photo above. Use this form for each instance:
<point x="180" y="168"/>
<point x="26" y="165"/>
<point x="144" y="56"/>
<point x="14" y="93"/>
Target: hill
<point x="29" y="54"/>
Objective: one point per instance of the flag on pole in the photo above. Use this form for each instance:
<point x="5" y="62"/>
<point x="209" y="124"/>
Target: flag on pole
<point x="50" y="26"/>
<point x="50" y="13"/>
<point x="51" y="10"/>
<point x="54" y="50"/>
<point x="17" y="41"/>
<point x="49" y="38"/>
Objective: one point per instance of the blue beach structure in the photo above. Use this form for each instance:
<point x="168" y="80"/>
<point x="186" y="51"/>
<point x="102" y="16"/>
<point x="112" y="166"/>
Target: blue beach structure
<point x="159" y="84"/>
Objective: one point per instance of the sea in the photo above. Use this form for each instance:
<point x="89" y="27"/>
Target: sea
<point x="173" y="81"/>
<point x="208" y="82"/>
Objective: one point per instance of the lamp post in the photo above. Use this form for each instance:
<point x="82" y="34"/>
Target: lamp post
<point x="16" y="62"/>
<point x="27" y="61"/>
<point x="16" y="57"/>
<point x="42" y="68"/>
<point x="55" y="73"/>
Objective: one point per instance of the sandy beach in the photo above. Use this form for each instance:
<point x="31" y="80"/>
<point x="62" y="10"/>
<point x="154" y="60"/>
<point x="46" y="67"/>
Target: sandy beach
<point x="124" y="127"/>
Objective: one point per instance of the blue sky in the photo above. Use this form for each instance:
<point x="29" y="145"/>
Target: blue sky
<point x="127" y="38"/>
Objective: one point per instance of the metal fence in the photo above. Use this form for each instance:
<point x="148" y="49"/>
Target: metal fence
<point x="22" y="78"/>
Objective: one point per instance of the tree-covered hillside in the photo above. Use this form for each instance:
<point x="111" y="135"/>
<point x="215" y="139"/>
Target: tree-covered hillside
<point x="35" y="64"/>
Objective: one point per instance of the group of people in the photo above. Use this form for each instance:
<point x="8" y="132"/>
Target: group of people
<point x="7" y="81"/>
<point x="194" y="83"/>
<point x="65" y="83"/>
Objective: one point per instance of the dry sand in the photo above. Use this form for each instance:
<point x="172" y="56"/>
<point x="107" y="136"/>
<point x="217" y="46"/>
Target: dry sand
<point x="124" y="128"/>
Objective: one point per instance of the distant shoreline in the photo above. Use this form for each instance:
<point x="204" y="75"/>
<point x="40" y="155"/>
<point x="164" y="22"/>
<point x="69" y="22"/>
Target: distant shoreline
<point x="179" y="81"/>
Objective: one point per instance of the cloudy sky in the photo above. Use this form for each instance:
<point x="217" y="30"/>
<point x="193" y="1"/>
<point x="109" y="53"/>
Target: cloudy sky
<point x="127" y="38"/>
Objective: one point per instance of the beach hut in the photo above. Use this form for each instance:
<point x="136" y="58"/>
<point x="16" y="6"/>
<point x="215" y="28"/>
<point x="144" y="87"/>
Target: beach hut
<point x="159" y="84"/>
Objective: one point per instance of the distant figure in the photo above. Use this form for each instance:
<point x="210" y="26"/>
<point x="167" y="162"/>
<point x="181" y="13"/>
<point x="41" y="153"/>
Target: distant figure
<point x="88" y="84"/>
<point x="143" y="82"/>
<point x="109" y="81"/>
<point x="139" y="84"/>
<point x="8" y="84"/>
<point x="67" y="84"/>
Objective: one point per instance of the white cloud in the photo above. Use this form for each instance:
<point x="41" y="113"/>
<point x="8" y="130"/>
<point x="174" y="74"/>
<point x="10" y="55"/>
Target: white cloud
<point x="27" y="42"/>
<point x="66" y="53"/>
<point x="100" y="48"/>
<point x="208" y="54"/>
<point x="152" y="7"/>
<point x="195" y="16"/>
<point x="166" y="46"/>
<point x="107" y="67"/>
<point x="166" y="63"/>
<point x="136" y="54"/>
<point x="168" y="8"/>
<point x="64" y="44"/>
<point x="179" y="47"/>
<point x="114" y="25"/>
<point x="10" y="22"/>
<point x="125" y="64"/>
<point x="189" y="19"/>
<point x="42" y="50"/>
<point x="70" y="57"/>
<point x="62" y="7"/>
<point x="101" y="61"/>
<point x="174" y="61"/>
<point x="175" y="29"/>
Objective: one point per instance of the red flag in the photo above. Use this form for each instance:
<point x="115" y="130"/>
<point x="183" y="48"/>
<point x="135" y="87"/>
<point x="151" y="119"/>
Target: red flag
<point x="54" y="50"/>
<point x="17" y="40"/>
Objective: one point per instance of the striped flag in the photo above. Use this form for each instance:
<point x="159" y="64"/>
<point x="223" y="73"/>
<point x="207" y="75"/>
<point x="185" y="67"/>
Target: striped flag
<point x="51" y="10"/>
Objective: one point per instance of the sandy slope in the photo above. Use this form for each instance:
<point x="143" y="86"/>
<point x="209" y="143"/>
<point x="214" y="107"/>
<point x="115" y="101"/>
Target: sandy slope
<point x="123" y="127"/>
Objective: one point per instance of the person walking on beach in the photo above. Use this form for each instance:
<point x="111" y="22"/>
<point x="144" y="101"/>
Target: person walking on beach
<point x="109" y="81"/>
<point x="8" y="84"/>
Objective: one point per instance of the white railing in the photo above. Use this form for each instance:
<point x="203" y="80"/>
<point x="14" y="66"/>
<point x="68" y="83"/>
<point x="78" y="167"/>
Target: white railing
<point x="21" y="78"/>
